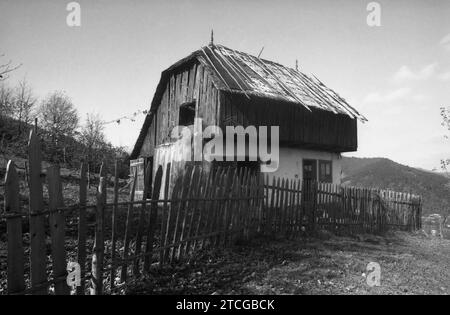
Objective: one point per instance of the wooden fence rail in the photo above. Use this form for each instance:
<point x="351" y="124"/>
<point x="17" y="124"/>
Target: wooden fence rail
<point x="117" y="242"/>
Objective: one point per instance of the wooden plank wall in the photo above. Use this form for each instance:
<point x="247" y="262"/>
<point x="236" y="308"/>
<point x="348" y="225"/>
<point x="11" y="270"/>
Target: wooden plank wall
<point x="192" y="83"/>
<point x="318" y="129"/>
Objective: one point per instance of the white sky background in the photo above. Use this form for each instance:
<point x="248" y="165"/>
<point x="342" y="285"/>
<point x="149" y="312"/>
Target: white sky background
<point x="397" y="75"/>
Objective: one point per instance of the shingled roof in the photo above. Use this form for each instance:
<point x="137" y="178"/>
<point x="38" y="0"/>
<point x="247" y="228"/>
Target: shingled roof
<point x="243" y="73"/>
<point x="238" y="72"/>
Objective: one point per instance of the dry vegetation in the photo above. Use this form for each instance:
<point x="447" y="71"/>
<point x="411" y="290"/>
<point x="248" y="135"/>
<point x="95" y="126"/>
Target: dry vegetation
<point x="410" y="264"/>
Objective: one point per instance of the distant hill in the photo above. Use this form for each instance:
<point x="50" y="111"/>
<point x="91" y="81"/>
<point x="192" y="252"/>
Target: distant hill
<point x="384" y="173"/>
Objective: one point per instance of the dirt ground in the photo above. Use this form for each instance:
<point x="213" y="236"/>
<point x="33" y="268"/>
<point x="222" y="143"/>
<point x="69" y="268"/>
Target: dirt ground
<point x="410" y="264"/>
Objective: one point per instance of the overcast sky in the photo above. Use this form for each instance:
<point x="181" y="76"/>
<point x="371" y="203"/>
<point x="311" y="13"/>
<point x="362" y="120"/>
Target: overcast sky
<point x="397" y="75"/>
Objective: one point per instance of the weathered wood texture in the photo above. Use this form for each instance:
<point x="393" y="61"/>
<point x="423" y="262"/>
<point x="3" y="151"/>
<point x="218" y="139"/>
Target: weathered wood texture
<point x="191" y="83"/>
<point x="38" y="258"/>
<point x="57" y="229"/>
<point x="16" y="277"/>
<point x="82" y="226"/>
<point x="98" y="251"/>
<point x="315" y="129"/>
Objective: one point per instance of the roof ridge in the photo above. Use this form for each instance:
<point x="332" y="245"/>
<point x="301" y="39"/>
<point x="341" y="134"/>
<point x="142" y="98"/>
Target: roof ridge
<point x="248" y="54"/>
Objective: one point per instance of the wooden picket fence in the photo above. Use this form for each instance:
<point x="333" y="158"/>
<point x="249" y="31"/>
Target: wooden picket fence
<point x="117" y="242"/>
<point x="294" y="206"/>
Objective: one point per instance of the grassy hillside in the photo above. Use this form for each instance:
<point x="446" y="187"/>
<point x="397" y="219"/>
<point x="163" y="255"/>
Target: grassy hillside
<point x="14" y="142"/>
<point x="384" y="173"/>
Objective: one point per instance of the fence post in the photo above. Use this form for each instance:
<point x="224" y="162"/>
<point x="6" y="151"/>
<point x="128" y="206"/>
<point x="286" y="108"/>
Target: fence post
<point x="82" y="228"/>
<point x="190" y="173"/>
<point x="315" y="195"/>
<point x="174" y="220"/>
<point x="271" y="211"/>
<point x="98" y="250"/>
<point x="16" y="281"/>
<point x="195" y="194"/>
<point x="182" y="195"/>
<point x="202" y="220"/>
<point x="140" y="230"/>
<point x="112" y="273"/>
<point x="419" y="214"/>
<point x="128" y="227"/>
<point x="57" y="226"/>
<point x="38" y="256"/>
<point x="166" y="215"/>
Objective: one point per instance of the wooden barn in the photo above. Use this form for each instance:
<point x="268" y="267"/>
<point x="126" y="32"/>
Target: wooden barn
<point x="226" y="87"/>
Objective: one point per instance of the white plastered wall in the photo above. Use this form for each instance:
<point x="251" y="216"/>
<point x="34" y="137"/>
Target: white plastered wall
<point x="291" y="163"/>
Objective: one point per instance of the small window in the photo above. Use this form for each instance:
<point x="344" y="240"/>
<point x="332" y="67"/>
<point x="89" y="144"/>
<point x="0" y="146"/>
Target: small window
<point x="325" y="172"/>
<point x="187" y="114"/>
<point x="309" y="170"/>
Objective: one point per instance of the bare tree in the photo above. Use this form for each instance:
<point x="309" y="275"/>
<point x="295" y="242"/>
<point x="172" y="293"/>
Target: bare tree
<point x="24" y="102"/>
<point x="445" y="163"/>
<point x="59" y="118"/>
<point x="6" y="97"/>
<point x="92" y="136"/>
<point x="445" y="114"/>
<point x="6" y="100"/>
<point x="6" y="68"/>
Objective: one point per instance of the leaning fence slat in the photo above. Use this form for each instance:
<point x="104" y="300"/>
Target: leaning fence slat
<point x="266" y="206"/>
<point x="195" y="195"/>
<point x="182" y="195"/>
<point x="199" y="205"/>
<point x="231" y="208"/>
<point x="141" y="224"/>
<point x="298" y="208"/>
<point x="243" y="206"/>
<point x="253" y="194"/>
<point x="172" y="220"/>
<point x="166" y="216"/>
<point x="227" y="206"/>
<point x="128" y="227"/>
<point x="203" y="206"/>
<point x="282" y="205"/>
<point x="112" y="273"/>
<point x="57" y="229"/>
<point x="261" y="206"/>
<point x="185" y="206"/>
<point x="81" y="258"/>
<point x="238" y="210"/>
<point x="292" y="209"/>
<point x="212" y="205"/>
<point x="153" y="215"/>
<point x="99" y="244"/>
<point x="286" y="207"/>
<point x="220" y="219"/>
<point x="38" y="258"/>
<point x="15" y="272"/>
<point x="272" y="207"/>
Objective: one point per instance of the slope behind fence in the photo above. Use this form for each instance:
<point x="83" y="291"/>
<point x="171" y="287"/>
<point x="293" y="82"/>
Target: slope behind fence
<point x="115" y="243"/>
